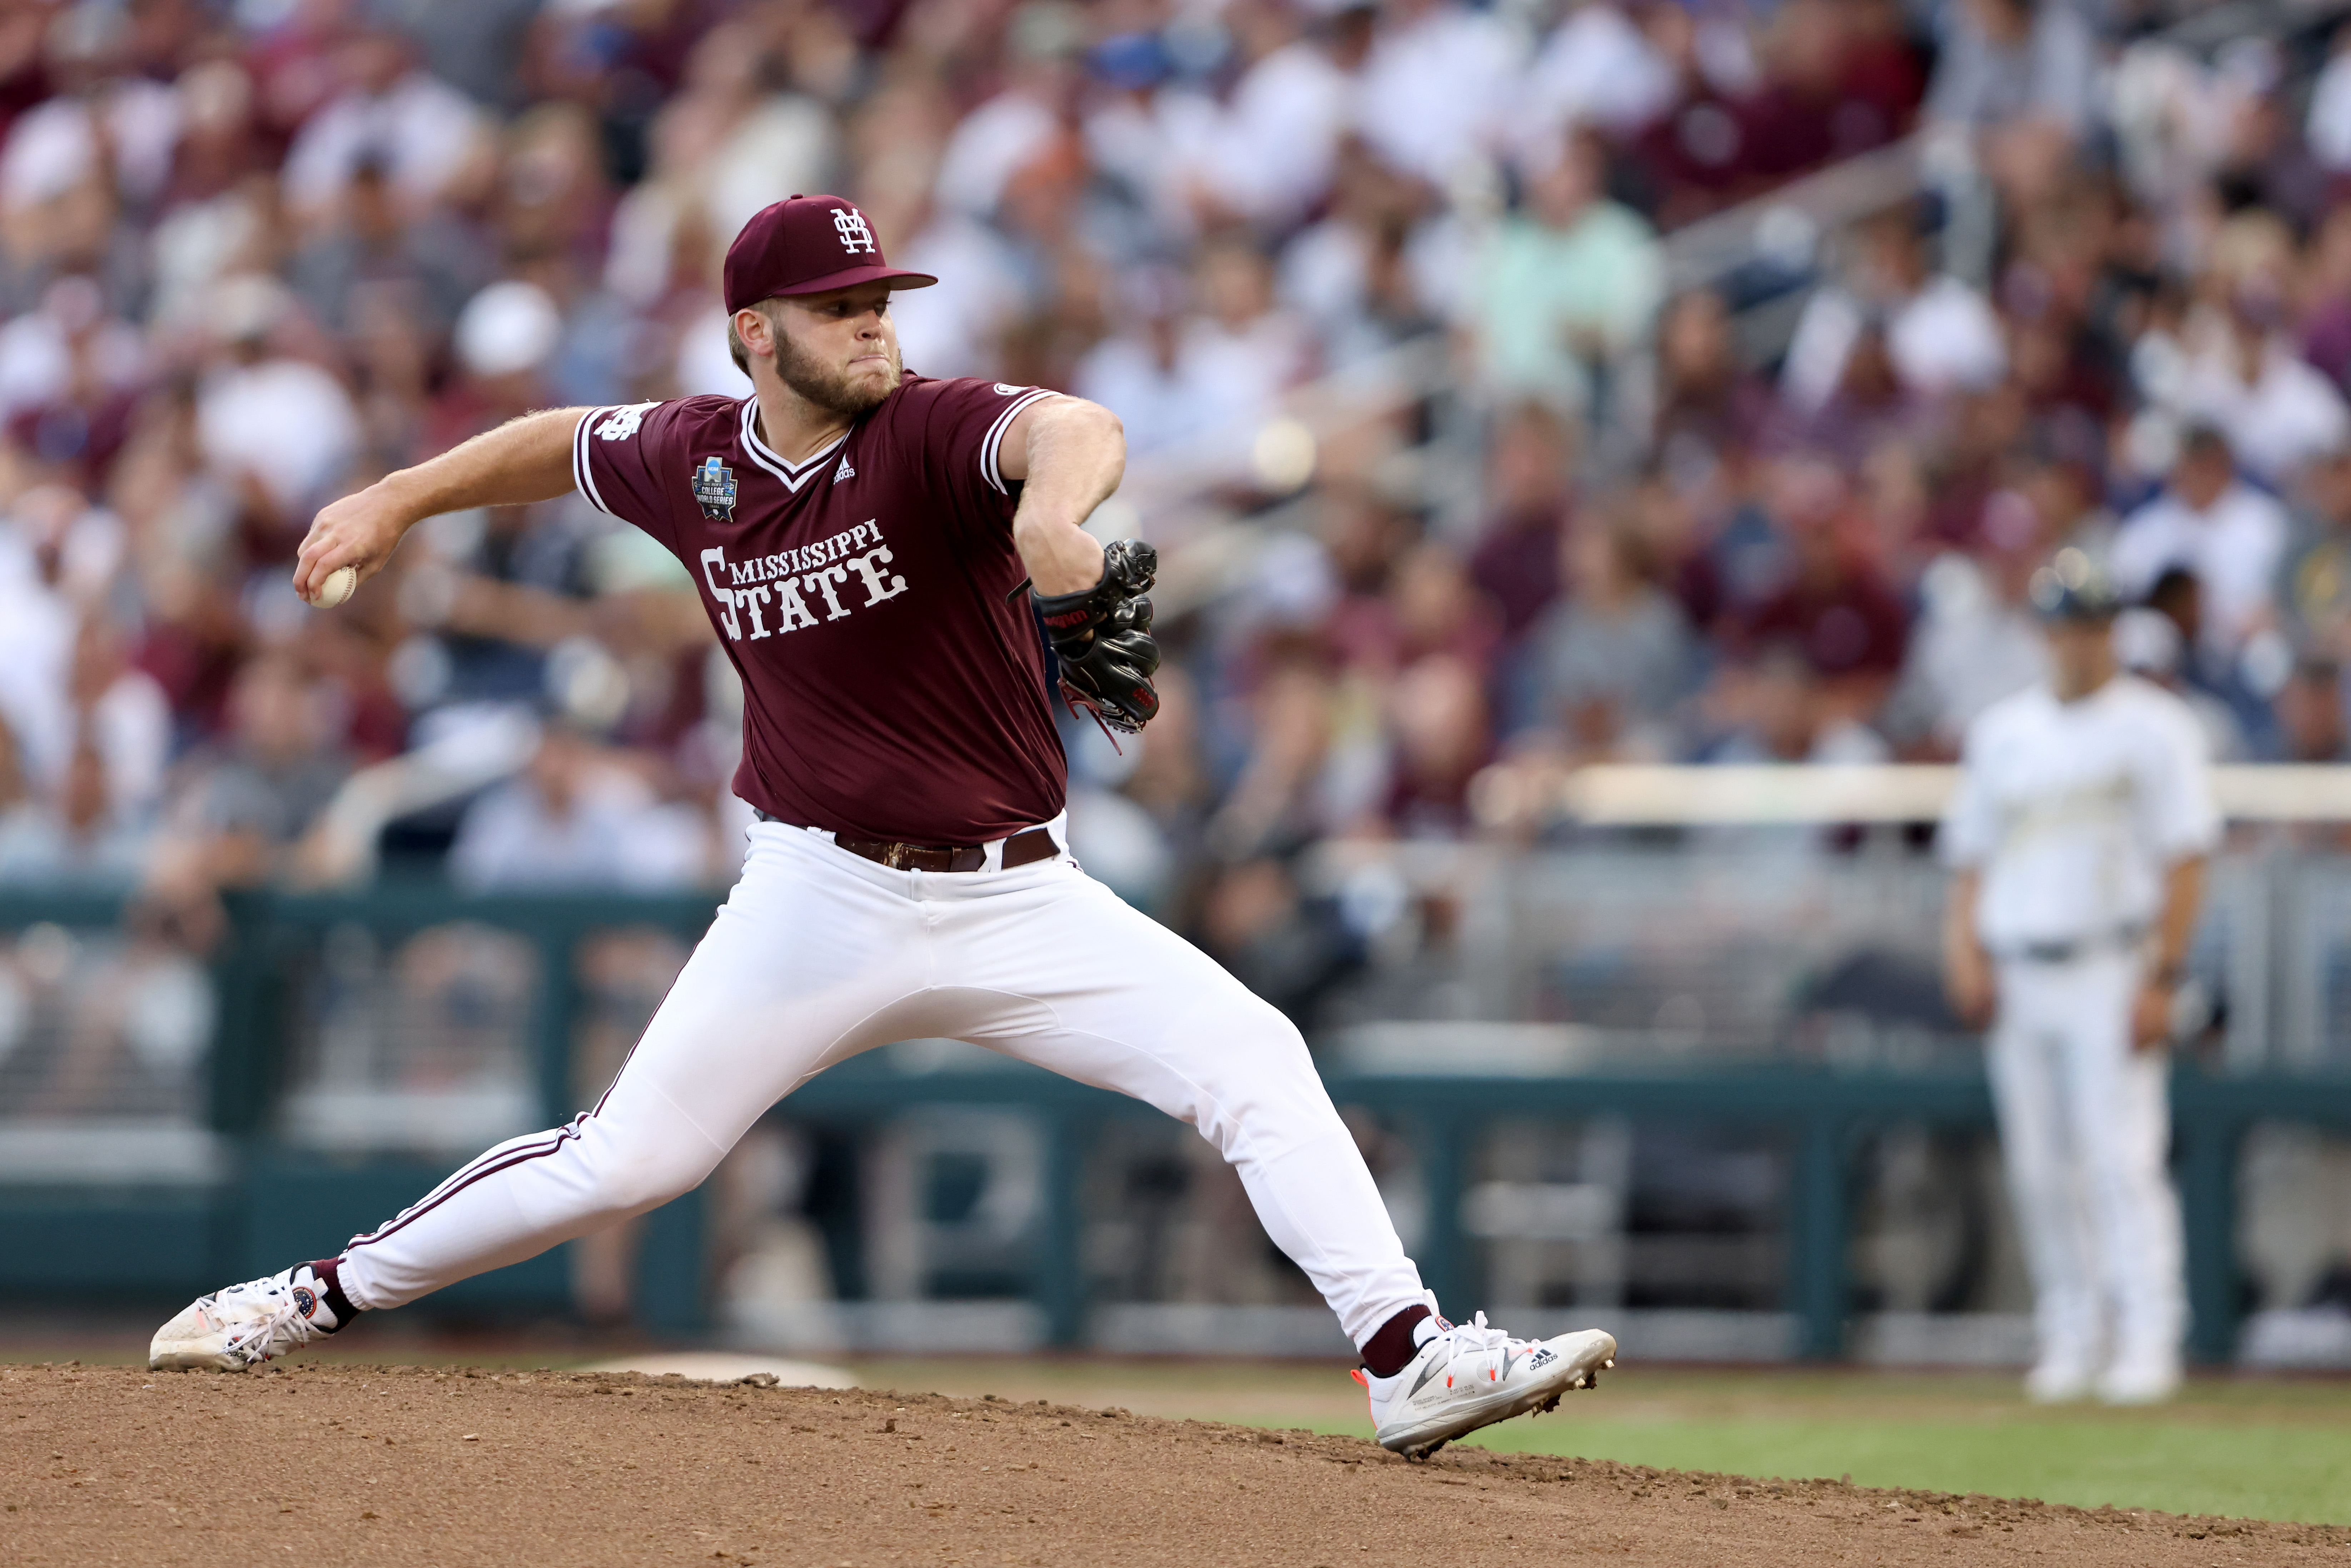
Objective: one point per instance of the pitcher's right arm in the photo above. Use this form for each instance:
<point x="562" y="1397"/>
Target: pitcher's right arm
<point x="526" y="459"/>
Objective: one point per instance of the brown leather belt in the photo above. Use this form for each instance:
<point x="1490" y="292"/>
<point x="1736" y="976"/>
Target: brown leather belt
<point x="1020" y="849"/>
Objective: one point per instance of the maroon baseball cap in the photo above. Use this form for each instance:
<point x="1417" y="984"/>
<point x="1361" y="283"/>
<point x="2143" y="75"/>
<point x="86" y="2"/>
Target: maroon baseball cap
<point x="806" y="246"/>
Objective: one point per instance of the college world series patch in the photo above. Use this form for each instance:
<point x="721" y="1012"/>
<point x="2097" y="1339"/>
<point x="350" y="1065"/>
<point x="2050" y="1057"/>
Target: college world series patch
<point x="713" y="487"/>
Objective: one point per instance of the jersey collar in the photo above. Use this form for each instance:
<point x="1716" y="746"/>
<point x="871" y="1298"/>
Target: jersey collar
<point x="793" y="475"/>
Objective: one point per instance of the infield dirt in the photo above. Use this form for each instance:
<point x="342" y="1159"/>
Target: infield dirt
<point x="418" y="1466"/>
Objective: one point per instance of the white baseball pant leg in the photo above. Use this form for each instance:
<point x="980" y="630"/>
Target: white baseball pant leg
<point x="818" y="954"/>
<point x="2084" y="1129"/>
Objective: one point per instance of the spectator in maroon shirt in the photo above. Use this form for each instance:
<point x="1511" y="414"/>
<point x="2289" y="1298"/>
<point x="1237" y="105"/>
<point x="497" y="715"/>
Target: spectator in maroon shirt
<point x="1835" y="609"/>
<point x="1710" y="407"/>
<point x="2326" y="311"/>
<point x="1673" y="534"/>
<point x="1832" y="87"/>
<point x="1441" y="728"/>
<point x="1516" y="564"/>
<point x="1364" y="538"/>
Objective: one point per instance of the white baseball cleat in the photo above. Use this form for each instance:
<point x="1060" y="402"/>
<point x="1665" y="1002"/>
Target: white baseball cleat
<point x="245" y="1325"/>
<point x="2058" y="1379"/>
<point x="2148" y="1378"/>
<point x="1469" y="1375"/>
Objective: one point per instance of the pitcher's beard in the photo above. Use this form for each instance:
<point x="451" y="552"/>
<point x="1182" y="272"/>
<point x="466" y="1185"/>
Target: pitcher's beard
<point x="829" y="386"/>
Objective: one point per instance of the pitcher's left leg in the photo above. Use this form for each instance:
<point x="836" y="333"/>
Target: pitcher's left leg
<point x="1086" y="985"/>
<point x="1098" y="992"/>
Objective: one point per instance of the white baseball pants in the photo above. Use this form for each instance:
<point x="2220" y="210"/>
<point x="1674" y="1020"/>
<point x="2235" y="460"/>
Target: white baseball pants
<point x="818" y="954"/>
<point x="2084" y="1129"/>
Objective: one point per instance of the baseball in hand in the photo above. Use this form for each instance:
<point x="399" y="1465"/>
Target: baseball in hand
<point x="340" y="585"/>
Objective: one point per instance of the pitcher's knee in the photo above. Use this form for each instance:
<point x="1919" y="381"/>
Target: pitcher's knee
<point x="630" y="1181"/>
<point x="1256" y="1084"/>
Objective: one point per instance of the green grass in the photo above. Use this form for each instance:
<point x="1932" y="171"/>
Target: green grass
<point x="2264" y="1449"/>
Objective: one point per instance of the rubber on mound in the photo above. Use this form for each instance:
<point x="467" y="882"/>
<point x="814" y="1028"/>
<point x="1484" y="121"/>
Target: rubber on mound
<point x="415" y="1466"/>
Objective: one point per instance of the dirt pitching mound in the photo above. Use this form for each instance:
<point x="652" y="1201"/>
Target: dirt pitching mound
<point x="416" y="1466"/>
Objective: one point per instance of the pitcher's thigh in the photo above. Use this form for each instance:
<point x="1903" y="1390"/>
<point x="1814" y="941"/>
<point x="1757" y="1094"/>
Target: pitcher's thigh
<point x="1109" y="996"/>
<point x="754" y="1013"/>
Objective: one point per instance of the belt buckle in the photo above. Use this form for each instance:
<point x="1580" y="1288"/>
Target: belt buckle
<point x="895" y="857"/>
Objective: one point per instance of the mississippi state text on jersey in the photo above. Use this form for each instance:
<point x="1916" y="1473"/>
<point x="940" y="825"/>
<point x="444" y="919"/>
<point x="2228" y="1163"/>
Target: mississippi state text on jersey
<point x="893" y="684"/>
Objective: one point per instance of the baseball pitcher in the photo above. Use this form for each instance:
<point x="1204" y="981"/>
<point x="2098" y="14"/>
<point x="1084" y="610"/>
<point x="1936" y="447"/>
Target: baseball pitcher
<point x="877" y="551"/>
<point x="2077" y="841"/>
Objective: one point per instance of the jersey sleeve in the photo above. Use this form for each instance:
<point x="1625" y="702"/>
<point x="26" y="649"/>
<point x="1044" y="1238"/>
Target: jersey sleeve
<point x="962" y="429"/>
<point x="2177" y="815"/>
<point x="626" y="460"/>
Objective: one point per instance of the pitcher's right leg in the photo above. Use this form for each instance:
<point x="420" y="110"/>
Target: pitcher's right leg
<point x="804" y="965"/>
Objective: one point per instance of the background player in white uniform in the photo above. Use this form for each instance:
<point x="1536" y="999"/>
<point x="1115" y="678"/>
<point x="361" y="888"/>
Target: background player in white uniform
<point x="2077" y="840"/>
<point x="862" y="536"/>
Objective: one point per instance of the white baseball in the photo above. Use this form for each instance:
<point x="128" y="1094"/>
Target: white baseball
<point x="340" y="585"/>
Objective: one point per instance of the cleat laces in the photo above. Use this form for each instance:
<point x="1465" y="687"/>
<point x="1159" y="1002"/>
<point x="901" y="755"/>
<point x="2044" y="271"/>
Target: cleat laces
<point x="1474" y="1339"/>
<point x="272" y="1323"/>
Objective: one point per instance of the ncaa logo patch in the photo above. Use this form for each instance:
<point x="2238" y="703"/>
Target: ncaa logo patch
<point x="305" y="1300"/>
<point x="714" y="489"/>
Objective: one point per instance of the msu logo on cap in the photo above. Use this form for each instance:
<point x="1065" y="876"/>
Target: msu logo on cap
<point x="809" y="244"/>
<point x="854" y="235"/>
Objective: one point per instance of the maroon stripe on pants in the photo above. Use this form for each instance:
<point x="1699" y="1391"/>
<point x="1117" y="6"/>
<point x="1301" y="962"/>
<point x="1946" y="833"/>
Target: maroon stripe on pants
<point x="499" y="1153"/>
<point x="494" y="1160"/>
<point x="450" y="1188"/>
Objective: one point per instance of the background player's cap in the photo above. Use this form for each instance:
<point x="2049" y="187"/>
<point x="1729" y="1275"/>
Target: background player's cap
<point x="806" y="246"/>
<point x="2072" y="587"/>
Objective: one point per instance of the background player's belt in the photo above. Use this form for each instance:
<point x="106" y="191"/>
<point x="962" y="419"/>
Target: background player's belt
<point x="1020" y="849"/>
<point x="2067" y="951"/>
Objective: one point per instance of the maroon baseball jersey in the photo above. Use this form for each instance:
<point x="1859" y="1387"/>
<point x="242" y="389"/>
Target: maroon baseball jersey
<point x="893" y="682"/>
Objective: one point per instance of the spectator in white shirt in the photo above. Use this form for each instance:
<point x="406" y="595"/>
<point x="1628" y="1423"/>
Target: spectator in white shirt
<point x="1276" y="144"/>
<point x="1007" y="133"/>
<point x="2328" y="128"/>
<point x="273" y="427"/>
<point x="2236" y="368"/>
<point x="1436" y="90"/>
<point x="2209" y="522"/>
<point x="1138" y="372"/>
<point x="1219" y="372"/>
<point x="2009" y="61"/>
<point x="573" y="819"/>
<point x="1976" y="640"/>
<point x="957" y="327"/>
<point x="1941" y="334"/>
<point x="76" y="838"/>
<point x="1597" y="68"/>
<point x="427" y="135"/>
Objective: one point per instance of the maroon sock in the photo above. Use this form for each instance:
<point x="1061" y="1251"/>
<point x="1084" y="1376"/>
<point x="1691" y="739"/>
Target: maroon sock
<point x="337" y="1303"/>
<point x="1390" y="1350"/>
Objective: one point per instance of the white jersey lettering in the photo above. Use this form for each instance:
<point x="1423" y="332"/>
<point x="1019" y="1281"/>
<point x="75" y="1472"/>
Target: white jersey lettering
<point x="794" y="608"/>
<point x="822" y="583"/>
<point x="868" y="566"/>
<point x="751" y="599"/>
<point x="623" y="421"/>
<point x="723" y="597"/>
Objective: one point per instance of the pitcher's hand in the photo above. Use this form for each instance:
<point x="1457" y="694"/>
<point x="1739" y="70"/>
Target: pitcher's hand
<point x="360" y="531"/>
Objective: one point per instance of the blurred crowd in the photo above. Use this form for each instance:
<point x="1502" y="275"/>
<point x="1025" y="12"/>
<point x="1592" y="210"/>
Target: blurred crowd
<point x="256" y="252"/>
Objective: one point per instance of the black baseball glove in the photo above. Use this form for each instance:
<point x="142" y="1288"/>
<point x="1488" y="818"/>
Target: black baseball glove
<point x="1102" y="637"/>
